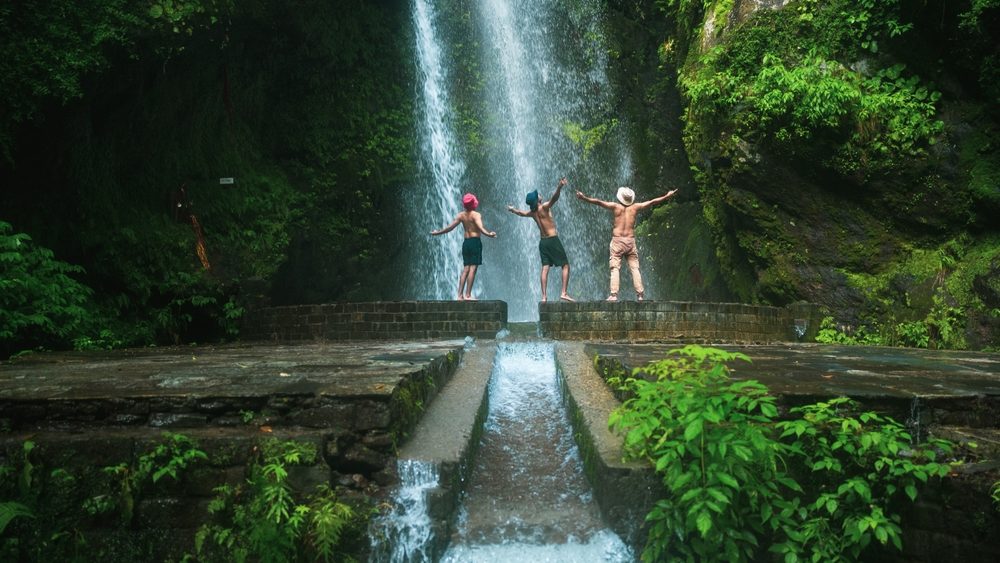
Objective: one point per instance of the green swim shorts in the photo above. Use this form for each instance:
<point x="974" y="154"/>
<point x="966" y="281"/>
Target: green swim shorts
<point x="472" y="251"/>
<point x="552" y="251"/>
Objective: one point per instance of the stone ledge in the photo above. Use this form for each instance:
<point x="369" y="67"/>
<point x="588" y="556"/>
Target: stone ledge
<point x="625" y="491"/>
<point x="379" y="320"/>
<point x="657" y="321"/>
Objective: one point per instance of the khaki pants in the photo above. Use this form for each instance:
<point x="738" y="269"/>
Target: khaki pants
<point x="625" y="247"/>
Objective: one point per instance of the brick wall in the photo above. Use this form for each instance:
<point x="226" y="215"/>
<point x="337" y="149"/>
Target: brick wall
<point x="678" y="321"/>
<point x="381" y="320"/>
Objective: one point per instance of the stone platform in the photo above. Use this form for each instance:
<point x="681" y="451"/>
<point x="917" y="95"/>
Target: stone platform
<point x="943" y="387"/>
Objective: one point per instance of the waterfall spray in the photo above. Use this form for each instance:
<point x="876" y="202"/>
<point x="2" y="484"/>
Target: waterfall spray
<point x="543" y="110"/>
<point x="436" y="202"/>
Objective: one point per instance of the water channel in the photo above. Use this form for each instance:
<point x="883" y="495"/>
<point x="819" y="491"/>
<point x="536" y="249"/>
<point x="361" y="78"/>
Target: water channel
<point x="526" y="497"/>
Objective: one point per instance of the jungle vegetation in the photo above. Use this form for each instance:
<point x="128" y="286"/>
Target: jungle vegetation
<point x="843" y="152"/>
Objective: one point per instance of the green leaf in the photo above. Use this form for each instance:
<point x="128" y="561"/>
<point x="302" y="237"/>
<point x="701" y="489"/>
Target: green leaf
<point x="704" y="522"/>
<point x="693" y="429"/>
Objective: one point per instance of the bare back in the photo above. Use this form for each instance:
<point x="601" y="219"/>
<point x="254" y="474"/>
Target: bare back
<point x="624" y="220"/>
<point x="472" y="223"/>
<point x="546" y="224"/>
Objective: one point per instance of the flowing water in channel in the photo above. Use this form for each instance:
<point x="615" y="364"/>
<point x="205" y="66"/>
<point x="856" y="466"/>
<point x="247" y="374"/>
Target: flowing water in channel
<point x="526" y="497"/>
<point x="514" y="95"/>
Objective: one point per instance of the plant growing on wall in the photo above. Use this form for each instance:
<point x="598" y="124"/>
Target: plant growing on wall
<point x="737" y="480"/>
<point x="261" y="520"/>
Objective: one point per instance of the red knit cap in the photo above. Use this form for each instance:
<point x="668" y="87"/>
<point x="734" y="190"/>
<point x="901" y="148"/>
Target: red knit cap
<point x="470" y="202"/>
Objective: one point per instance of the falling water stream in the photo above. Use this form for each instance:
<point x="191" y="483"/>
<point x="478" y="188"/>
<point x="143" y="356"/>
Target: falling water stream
<point x="526" y="497"/>
<point x="544" y="109"/>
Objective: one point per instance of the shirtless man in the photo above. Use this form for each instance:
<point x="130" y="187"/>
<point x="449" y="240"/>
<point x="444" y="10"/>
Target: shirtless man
<point x="549" y="247"/>
<point x="472" y="247"/>
<point x="623" y="235"/>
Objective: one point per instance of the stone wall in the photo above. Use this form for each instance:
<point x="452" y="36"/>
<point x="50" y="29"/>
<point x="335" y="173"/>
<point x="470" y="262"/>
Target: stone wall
<point x="666" y="321"/>
<point x="381" y="320"/>
<point x="355" y="436"/>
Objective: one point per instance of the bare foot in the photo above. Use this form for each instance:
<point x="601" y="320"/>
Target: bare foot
<point x="565" y="297"/>
<point x="460" y="298"/>
<point x="640" y="297"/>
<point x="612" y="297"/>
<point x="544" y="299"/>
<point x="471" y="298"/>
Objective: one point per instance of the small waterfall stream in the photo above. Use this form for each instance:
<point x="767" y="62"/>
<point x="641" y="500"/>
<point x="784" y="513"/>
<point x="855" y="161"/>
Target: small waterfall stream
<point x="526" y="497"/>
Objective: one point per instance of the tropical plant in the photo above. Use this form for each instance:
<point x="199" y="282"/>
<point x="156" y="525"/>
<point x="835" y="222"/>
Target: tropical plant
<point x="819" y="487"/>
<point x="261" y="520"/>
<point x="41" y="303"/>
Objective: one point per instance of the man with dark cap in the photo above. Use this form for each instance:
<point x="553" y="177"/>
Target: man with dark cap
<point x="623" y="245"/>
<point x="549" y="247"/>
<point x="472" y="247"/>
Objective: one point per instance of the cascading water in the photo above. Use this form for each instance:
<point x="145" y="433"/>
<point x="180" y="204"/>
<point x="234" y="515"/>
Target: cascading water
<point x="543" y="110"/>
<point x="437" y="262"/>
<point x="526" y="498"/>
<point x="404" y="534"/>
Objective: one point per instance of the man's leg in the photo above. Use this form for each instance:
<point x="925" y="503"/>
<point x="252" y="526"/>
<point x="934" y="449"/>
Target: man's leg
<point x="565" y="284"/>
<point x="469" y="281"/>
<point x="615" y="262"/>
<point x="633" y="267"/>
<point x="461" y="282"/>
<point x="545" y="280"/>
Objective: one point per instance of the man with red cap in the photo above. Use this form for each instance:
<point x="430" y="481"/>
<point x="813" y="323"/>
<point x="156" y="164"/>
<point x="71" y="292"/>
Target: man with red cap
<point x="623" y="245"/>
<point x="472" y="247"/>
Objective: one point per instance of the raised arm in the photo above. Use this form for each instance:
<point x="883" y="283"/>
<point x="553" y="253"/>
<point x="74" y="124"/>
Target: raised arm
<point x="595" y="201"/>
<point x="555" y="197"/>
<point x="446" y="229"/>
<point x="518" y="211"/>
<point x="656" y="200"/>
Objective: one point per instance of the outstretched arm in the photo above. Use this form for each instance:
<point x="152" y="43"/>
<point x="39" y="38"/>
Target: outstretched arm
<point x="595" y="201"/>
<point x="518" y="211"/>
<point x="555" y="197"/>
<point x="656" y="200"/>
<point x="446" y="229"/>
<point x="484" y="230"/>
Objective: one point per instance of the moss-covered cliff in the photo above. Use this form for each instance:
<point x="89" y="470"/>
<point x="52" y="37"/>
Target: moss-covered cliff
<point x="846" y="153"/>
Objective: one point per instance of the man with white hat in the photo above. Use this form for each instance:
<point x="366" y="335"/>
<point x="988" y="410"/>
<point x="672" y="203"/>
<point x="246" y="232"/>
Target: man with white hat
<point x="624" y="212"/>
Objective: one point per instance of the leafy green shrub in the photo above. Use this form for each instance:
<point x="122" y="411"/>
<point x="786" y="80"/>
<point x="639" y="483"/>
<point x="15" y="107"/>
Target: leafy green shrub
<point x="41" y="304"/>
<point x="262" y="521"/>
<point x="167" y="459"/>
<point x="45" y="513"/>
<point x="831" y="333"/>
<point x="817" y="487"/>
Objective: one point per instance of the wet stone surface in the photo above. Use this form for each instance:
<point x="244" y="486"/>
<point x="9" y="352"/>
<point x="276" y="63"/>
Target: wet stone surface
<point x="319" y="384"/>
<point x="957" y="387"/>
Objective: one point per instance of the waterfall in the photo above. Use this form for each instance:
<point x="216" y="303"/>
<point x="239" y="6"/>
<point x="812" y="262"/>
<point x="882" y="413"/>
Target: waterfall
<point x="434" y="204"/>
<point x="544" y="109"/>
<point x="404" y="534"/>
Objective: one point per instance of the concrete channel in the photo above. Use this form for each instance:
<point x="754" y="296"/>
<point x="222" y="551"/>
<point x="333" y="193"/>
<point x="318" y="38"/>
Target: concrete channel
<point x="448" y="435"/>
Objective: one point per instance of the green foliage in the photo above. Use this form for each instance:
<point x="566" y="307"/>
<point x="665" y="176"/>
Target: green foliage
<point x="767" y="86"/>
<point x="46" y="516"/>
<point x="41" y="303"/>
<point x="587" y="139"/>
<point x="704" y="434"/>
<point x="853" y="466"/>
<point x="817" y="487"/>
<point x="166" y="459"/>
<point x="261" y="520"/>
<point x="832" y="333"/>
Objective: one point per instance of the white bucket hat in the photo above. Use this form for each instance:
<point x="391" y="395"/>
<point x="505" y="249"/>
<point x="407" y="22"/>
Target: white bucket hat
<point x="626" y="196"/>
